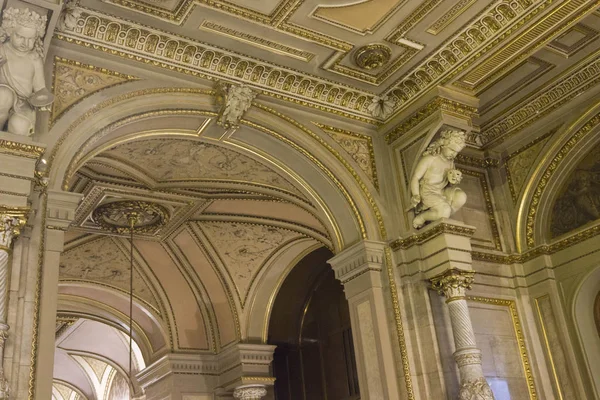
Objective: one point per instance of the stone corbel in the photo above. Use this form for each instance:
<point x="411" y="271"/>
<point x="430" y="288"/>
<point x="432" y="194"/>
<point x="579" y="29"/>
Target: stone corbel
<point x="359" y="268"/>
<point x="234" y="101"/>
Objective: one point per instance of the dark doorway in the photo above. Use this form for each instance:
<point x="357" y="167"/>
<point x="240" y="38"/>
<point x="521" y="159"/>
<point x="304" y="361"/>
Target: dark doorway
<point x="310" y="324"/>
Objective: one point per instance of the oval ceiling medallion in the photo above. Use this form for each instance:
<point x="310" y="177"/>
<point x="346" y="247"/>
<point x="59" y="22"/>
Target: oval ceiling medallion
<point x="372" y="56"/>
<point x="119" y="215"/>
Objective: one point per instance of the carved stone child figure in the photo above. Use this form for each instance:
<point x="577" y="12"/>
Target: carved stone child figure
<point x="433" y="184"/>
<point x="22" y="83"/>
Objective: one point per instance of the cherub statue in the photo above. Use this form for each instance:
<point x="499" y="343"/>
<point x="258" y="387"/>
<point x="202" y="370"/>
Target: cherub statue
<point x="237" y="101"/>
<point x="22" y="83"/>
<point x="433" y="184"/>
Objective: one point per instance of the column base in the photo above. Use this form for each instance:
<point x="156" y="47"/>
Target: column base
<point x="477" y="389"/>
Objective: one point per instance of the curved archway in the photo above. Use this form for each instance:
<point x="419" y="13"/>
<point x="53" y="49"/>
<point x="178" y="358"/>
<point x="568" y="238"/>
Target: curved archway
<point x="538" y="197"/>
<point x="584" y="307"/>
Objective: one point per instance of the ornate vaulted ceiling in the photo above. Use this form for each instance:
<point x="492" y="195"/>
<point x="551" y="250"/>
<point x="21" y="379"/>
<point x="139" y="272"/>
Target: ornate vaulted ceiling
<point x="235" y="211"/>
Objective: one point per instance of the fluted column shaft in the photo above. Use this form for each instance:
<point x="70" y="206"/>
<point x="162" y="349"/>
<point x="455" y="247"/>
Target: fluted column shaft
<point x="453" y="284"/>
<point x="10" y="226"/>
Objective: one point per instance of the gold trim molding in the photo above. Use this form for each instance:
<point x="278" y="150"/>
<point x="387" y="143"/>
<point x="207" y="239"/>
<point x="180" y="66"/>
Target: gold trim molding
<point x="421" y="238"/>
<point x="210" y="62"/>
<point x="442" y="104"/>
<point x="592" y="123"/>
<point x="259" y="42"/>
<point x="21" y="149"/>
<point x="518" y="329"/>
<point x="449" y="16"/>
<point x="563" y="89"/>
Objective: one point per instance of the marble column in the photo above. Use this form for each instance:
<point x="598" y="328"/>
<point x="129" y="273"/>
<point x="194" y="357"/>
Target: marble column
<point x="250" y="392"/>
<point x="453" y="284"/>
<point x="360" y="268"/>
<point x="11" y="223"/>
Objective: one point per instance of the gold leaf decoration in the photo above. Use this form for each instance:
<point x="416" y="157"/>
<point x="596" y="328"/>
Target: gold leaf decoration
<point x="74" y="81"/>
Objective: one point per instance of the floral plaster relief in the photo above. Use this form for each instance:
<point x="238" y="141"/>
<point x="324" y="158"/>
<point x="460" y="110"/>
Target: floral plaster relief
<point x="173" y="160"/>
<point x="73" y="81"/>
<point x="244" y="247"/>
<point x="519" y="166"/>
<point x="101" y="261"/>
<point x="270" y="209"/>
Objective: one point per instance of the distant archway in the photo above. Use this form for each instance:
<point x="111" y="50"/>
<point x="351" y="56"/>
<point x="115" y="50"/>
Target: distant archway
<point x="310" y="324"/>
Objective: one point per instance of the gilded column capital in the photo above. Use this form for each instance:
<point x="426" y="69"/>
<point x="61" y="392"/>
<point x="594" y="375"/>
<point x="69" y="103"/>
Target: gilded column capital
<point x="453" y="283"/>
<point x="12" y="220"/>
<point x="250" y="392"/>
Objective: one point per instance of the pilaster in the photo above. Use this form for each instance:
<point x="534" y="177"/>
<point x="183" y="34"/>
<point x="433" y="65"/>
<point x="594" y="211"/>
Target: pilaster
<point x="242" y="369"/>
<point x="359" y="268"/>
<point x="60" y="211"/>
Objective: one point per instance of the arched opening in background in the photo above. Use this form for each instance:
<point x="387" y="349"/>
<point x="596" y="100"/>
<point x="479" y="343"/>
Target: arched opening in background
<point x="310" y="324"/>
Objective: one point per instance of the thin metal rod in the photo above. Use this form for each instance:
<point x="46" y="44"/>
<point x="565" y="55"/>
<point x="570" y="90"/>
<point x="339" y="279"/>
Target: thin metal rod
<point x="131" y="226"/>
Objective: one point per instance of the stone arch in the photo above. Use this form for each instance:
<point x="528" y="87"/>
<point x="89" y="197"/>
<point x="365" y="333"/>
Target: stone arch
<point x="282" y="137"/>
<point x="588" y="334"/>
<point x="571" y="145"/>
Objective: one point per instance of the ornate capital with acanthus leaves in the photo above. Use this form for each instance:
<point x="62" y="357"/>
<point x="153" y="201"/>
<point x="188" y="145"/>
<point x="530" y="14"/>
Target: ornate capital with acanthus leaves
<point x="453" y="283"/>
<point x="12" y="220"/>
<point x="250" y="392"/>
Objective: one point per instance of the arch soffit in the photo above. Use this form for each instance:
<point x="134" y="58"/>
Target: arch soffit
<point x="582" y="313"/>
<point x="87" y="308"/>
<point x="535" y="204"/>
<point x="65" y="144"/>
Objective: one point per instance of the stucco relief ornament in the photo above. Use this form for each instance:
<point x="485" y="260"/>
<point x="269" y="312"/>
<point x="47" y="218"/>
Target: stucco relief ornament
<point x="22" y="84"/>
<point x="381" y="107"/>
<point x="477" y="389"/>
<point x="250" y="393"/>
<point x="69" y="16"/>
<point x="435" y="194"/>
<point x="235" y="100"/>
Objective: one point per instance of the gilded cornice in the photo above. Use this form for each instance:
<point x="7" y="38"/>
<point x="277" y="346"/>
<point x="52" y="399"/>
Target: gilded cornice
<point x="537" y="251"/>
<point x="21" y="149"/>
<point x="437" y="104"/>
<point x="563" y="17"/>
<point x="352" y="142"/>
<point x="454" y="12"/>
<point x="440" y="229"/>
<point x="479" y="36"/>
<point x="592" y="123"/>
<point x="560" y="91"/>
<point x="412" y="19"/>
<point x="185" y="55"/>
<point x="260" y="42"/>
